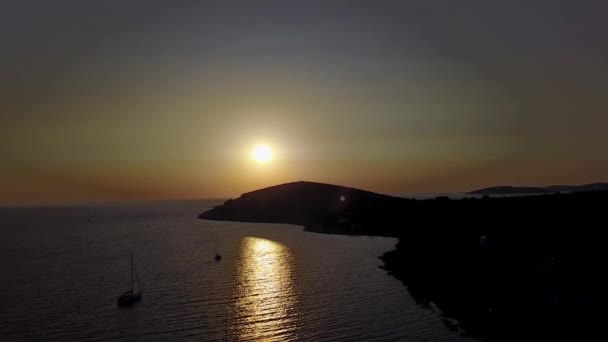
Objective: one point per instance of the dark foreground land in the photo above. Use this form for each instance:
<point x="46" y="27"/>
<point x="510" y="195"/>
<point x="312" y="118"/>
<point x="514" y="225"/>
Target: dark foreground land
<point x="516" y="268"/>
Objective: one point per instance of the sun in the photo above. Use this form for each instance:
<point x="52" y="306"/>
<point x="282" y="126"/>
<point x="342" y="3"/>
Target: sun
<point x="262" y="153"/>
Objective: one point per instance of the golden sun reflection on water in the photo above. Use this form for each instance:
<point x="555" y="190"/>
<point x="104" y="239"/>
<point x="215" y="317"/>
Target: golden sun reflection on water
<point x="266" y="296"/>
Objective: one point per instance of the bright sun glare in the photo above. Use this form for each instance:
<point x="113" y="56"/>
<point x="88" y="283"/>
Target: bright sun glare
<point x="262" y="153"/>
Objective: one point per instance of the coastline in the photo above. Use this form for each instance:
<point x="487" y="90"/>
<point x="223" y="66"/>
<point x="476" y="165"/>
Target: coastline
<point x="509" y="268"/>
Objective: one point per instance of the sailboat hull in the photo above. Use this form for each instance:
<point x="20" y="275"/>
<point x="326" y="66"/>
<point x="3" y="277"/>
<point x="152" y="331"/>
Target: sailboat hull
<point x="127" y="299"/>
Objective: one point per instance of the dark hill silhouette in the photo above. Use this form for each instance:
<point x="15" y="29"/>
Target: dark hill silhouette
<point x="509" y="190"/>
<point x="516" y="190"/>
<point x="579" y="188"/>
<point x="508" y="268"/>
<point x="306" y="203"/>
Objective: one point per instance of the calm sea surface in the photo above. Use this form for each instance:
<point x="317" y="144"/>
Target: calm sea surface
<point x="62" y="267"/>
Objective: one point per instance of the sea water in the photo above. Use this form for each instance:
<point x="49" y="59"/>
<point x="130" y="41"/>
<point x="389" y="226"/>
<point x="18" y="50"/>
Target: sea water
<point x="62" y="268"/>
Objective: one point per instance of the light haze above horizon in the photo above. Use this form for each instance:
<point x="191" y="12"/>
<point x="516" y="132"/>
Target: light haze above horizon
<point x="120" y="100"/>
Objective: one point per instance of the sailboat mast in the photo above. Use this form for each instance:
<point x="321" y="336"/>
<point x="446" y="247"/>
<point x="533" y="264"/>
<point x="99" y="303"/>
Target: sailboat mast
<point x="215" y="243"/>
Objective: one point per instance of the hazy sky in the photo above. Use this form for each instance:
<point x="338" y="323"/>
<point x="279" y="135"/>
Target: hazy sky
<point x="103" y="100"/>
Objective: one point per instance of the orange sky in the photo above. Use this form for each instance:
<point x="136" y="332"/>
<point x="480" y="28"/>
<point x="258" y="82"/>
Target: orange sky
<point x="144" y="100"/>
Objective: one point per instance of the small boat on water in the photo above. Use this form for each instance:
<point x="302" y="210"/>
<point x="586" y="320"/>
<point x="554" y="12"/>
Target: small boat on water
<point x="131" y="296"/>
<point x="218" y="256"/>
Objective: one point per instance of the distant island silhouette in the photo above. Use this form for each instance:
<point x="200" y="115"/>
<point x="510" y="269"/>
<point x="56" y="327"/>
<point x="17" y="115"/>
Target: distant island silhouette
<point x="507" y="268"/>
<point x="514" y="190"/>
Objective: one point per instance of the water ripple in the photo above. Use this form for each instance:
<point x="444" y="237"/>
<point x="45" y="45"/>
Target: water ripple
<point x="61" y="275"/>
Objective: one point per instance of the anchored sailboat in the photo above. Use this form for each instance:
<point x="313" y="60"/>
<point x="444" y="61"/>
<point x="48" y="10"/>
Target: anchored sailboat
<point x="131" y="296"/>
<point x="218" y="256"/>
